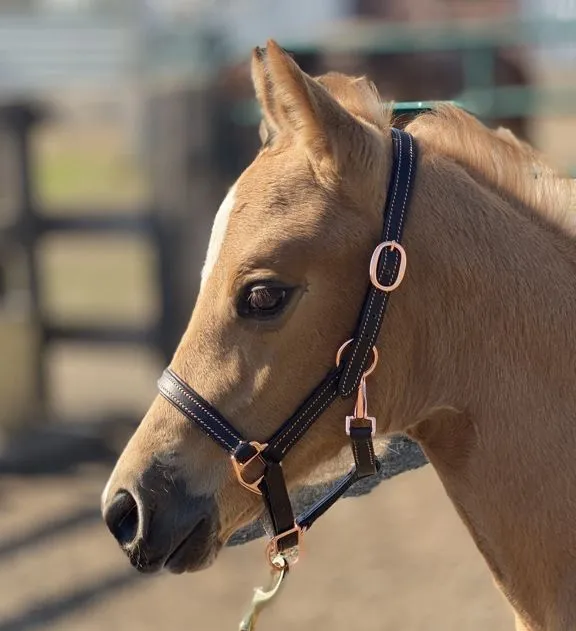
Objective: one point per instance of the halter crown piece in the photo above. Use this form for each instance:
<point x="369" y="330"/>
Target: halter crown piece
<point x="257" y="465"/>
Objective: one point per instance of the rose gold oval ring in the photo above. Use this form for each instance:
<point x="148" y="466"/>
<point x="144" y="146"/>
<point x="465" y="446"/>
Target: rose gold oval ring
<point x="370" y="370"/>
<point x="393" y="245"/>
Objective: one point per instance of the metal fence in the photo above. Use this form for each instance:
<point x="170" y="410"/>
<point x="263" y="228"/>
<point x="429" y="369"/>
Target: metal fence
<point x="40" y="53"/>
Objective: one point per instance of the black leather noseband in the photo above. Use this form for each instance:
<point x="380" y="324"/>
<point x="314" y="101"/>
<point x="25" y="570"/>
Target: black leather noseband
<point x="258" y="465"/>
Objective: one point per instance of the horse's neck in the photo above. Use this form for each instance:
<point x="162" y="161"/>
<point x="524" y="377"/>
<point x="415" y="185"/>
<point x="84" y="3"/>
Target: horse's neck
<point x="497" y="417"/>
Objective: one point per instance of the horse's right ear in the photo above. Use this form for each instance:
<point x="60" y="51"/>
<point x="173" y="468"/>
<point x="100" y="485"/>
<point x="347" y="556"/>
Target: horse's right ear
<point x="264" y="93"/>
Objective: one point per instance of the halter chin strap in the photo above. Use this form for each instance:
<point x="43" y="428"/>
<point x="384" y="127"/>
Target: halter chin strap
<point x="258" y="465"/>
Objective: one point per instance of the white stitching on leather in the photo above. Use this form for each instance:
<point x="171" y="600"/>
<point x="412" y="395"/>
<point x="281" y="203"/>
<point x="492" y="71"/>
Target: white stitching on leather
<point x="389" y="218"/>
<point x="185" y="408"/>
<point x="355" y="450"/>
<point x="307" y="425"/>
<point x="293" y="427"/>
<point x="402" y="213"/>
<point x="371" y="452"/>
<point x="196" y="402"/>
<point x="396" y="183"/>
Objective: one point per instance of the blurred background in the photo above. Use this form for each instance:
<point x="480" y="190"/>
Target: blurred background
<point x="122" y="123"/>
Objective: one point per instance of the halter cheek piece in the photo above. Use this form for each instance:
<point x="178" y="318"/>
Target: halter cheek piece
<point x="258" y="465"/>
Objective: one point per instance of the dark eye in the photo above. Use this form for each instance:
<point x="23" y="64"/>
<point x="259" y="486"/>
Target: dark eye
<point x="264" y="300"/>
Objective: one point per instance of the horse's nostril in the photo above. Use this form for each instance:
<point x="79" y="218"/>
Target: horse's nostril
<point x="121" y="517"/>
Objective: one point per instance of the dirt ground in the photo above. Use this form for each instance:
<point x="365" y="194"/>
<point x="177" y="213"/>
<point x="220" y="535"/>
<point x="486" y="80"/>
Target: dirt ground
<point x="396" y="559"/>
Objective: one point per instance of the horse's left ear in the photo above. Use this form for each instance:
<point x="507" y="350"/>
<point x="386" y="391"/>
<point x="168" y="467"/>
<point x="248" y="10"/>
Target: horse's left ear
<point x="296" y="104"/>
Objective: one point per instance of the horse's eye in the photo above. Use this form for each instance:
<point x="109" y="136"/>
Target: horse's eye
<point x="264" y="300"/>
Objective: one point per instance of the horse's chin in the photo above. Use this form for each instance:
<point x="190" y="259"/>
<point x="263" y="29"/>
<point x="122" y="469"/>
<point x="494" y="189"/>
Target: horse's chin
<point x="189" y="556"/>
<point x="193" y="555"/>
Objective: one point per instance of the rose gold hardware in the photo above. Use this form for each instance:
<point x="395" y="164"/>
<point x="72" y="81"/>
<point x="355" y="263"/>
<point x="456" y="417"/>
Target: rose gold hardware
<point x="361" y="409"/>
<point x="370" y="370"/>
<point x="289" y="556"/>
<point x="240" y="466"/>
<point x="393" y="245"/>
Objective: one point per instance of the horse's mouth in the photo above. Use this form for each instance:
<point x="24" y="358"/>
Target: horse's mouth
<point x="196" y="551"/>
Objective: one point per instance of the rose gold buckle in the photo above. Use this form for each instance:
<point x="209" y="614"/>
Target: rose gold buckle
<point x="393" y="245"/>
<point x="290" y="556"/>
<point x="240" y="466"/>
<point x="372" y="366"/>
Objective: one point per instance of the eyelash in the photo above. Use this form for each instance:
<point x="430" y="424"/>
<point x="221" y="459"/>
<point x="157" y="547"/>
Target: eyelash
<point x="278" y="294"/>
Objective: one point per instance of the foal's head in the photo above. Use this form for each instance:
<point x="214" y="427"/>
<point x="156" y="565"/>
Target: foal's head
<point x="282" y="285"/>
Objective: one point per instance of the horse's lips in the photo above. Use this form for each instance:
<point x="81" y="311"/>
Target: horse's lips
<point x="195" y="552"/>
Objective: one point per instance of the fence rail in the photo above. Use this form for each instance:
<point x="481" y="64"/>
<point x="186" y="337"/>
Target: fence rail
<point x="49" y="52"/>
<point x="381" y="37"/>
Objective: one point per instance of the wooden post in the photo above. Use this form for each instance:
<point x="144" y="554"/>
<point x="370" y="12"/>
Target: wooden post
<point x="187" y="189"/>
<point x="23" y="375"/>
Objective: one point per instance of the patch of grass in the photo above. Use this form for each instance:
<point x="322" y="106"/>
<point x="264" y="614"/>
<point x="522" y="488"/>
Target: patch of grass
<point x="86" y="166"/>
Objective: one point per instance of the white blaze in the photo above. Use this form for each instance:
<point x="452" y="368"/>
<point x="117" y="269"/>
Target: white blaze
<point x="218" y="232"/>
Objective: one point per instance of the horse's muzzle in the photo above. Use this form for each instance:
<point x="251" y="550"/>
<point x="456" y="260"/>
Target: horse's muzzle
<point x="159" y="525"/>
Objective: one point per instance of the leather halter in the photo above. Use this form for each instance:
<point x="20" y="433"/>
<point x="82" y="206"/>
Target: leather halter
<point x="258" y="465"/>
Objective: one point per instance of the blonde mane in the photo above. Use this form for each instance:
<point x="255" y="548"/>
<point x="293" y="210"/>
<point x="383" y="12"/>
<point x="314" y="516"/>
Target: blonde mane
<point x="359" y="96"/>
<point x="497" y="157"/>
<point x="501" y="160"/>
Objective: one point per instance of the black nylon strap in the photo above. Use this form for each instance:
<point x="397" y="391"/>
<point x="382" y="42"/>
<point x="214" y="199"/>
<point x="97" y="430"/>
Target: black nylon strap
<point x="402" y="177"/>
<point x="199" y="411"/>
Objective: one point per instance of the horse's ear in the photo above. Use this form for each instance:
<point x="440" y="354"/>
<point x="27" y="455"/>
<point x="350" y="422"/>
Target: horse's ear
<point x="294" y="103"/>
<point x="263" y="87"/>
